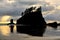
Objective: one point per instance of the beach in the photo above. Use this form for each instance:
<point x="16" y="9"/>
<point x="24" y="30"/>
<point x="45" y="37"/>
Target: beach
<point x="50" y="34"/>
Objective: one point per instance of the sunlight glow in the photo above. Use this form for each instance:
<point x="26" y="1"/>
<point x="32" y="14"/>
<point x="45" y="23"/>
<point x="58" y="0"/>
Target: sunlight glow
<point x="4" y="30"/>
<point x="58" y="7"/>
<point x="5" y="18"/>
<point x="10" y="1"/>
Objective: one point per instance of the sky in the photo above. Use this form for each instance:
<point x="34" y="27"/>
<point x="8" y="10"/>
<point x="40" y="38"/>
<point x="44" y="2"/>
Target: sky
<point x="13" y="8"/>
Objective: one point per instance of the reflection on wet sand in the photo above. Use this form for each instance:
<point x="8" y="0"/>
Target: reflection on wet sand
<point x="5" y="30"/>
<point x="6" y="35"/>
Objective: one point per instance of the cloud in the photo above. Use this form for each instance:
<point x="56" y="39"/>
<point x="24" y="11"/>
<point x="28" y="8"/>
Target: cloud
<point x="18" y="5"/>
<point x="54" y="16"/>
<point x="47" y="8"/>
<point x="54" y="2"/>
<point x="14" y="9"/>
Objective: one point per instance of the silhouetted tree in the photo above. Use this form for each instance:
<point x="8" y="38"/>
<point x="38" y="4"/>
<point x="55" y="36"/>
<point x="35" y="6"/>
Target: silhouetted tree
<point x="29" y="9"/>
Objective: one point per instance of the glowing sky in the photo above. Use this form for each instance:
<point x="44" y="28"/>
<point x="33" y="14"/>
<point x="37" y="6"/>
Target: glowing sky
<point x="5" y="18"/>
<point x="13" y="8"/>
<point x="10" y="1"/>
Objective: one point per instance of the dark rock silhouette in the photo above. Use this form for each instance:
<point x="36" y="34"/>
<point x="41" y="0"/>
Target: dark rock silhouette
<point x="32" y="23"/>
<point x="11" y="25"/>
<point x="53" y="25"/>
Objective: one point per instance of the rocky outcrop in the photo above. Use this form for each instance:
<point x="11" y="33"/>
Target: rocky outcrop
<point x="33" y="23"/>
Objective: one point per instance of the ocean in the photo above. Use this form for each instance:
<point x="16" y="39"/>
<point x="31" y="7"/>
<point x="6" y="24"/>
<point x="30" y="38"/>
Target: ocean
<point x="50" y="34"/>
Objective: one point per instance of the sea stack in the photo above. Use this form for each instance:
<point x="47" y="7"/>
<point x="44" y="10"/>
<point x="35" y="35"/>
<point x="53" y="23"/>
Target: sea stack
<point x="32" y="22"/>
